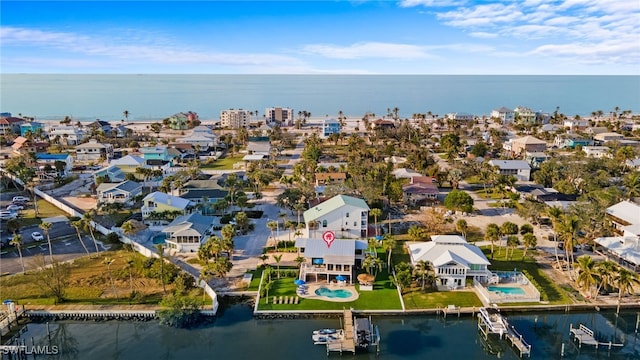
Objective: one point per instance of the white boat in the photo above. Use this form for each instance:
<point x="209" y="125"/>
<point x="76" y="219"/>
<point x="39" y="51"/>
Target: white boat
<point x="325" y="331"/>
<point x="322" y="339"/>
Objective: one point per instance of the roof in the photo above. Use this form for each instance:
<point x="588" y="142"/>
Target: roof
<point x="91" y="145"/>
<point x="331" y="176"/>
<point x="625" y="210"/>
<point x="255" y="157"/>
<point x="341" y="249"/>
<point x="153" y="150"/>
<point x="163" y="198"/>
<point x="405" y="173"/>
<point x="195" y="221"/>
<point x="201" y="193"/>
<point x="510" y="164"/>
<point x="129" y="160"/>
<point x="626" y="248"/>
<point x="503" y="110"/>
<point x="529" y="140"/>
<point x="445" y="248"/>
<point x="127" y="186"/>
<point x="332" y="204"/>
<point x="420" y="188"/>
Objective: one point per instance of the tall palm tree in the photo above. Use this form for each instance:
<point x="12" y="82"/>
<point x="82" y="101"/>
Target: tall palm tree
<point x="462" y="227"/>
<point x="78" y="225"/>
<point x="388" y="243"/>
<point x="160" y="250"/>
<point x="529" y="240"/>
<point x="46" y="226"/>
<point x="604" y="271"/>
<point x="376" y="213"/>
<point x="128" y="228"/>
<point x="272" y="225"/>
<point x="16" y="241"/>
<point x="624" y="281"/>
<point x="108" y="261"/>
<point x="586" y="278"/>
<point x="422" y="270"/>
<point x="87" y="224"/>
<point x="492" y="234"/>
<point x="568" y="228"/>
<point x="277" y="259"/>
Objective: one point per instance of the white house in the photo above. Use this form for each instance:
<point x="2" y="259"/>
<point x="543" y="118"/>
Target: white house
<point x="94" y="151"/>
<point x="187" y="232"/>
<point x="505" y="114"/>
<point x="453" y="259"/>
<point x="122" y="192"/>
<point x="518" y="168"/>
<point x="597" y="151"/>
<point x="158" y="203"/>
<point x="71" y="135"/>
<point x="625" y="247"/>
<point x="326" y="261"/>
<point x="345" y="215"/>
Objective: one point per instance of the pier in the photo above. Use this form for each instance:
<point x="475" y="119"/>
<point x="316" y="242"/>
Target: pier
<point x="490" y="321"/>
<point x="348" y="342"/>
<point x="584" y="335"/>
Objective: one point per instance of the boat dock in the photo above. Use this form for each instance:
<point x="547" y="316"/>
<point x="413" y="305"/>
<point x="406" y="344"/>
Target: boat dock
<point x="348" y="342"/>
<point x="584" y="335"/>
<point x="490" y="321"/>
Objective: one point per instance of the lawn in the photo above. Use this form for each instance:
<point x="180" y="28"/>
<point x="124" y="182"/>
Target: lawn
<point x="439" y="299"/>
<point x="45" y="210"/>
<point x="549" y="291"/>
<point x="225" y="163"/>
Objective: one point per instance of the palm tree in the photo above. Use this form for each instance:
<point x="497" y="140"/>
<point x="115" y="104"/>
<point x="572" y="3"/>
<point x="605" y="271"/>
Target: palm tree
<point x="492" y="234"/>
<point x="272" y="225"/>
<point x="586" y="273"/>
<point x="423" y="269"/>
<point x="108" y="261"/>
<point x="624" y="281"/>
<point x="604" y="271"/>
<point x="462" y="227"/>
<point x="277" y="258"/>
<point x="376" y="213"/>
<point x="568" y="228"/>
<point x="126" y="114"/>
<point x="160" y="250"/>
<point x="46" y="226"/>
<point x="530" y="241"/>
<point x="388" y="243"/>
<point x="78" y="225"/>
<point x="512" y="243"/>
<point x="128" y="228"/>
<point x="87" y="220"/>
<point x="16" y="241"/>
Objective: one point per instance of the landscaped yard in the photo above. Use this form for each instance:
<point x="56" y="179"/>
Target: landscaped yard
<point x="226" y="163"/>
<point x="440" y="299"/>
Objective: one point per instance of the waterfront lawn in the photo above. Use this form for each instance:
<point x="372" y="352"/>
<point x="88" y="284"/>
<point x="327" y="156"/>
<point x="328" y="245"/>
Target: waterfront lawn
<point x="549" y="291"/>
<point x="433" y="299"/>
<point x="383" y="297"/>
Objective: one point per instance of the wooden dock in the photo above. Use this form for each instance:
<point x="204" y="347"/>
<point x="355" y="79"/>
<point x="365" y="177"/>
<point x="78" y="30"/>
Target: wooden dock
<point x="348" y="342"/>
<point x="491" y="322"/>
<point x="584" y="335"/>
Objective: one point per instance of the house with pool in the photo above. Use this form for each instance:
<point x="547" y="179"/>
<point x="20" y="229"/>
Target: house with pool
<point x="453" y="260"/>
<point x="187" y="232"/>
<point x="330" y="259"/>
<point x="346" y="216"/>
<point x="158" y="208"/>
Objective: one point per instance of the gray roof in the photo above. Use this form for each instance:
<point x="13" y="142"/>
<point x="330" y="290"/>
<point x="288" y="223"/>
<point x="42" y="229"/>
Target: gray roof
<point x="127" y="186"/>
<point x="318" y="248"/>
<point x="195" y="221"/>
<point x="201" y="193"/>
<point x="445" y="248"/>
<point x="510" y="164"/>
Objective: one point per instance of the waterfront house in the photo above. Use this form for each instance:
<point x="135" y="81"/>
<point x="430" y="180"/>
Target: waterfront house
<point x="158" y="207"/>
<point x="31" y="127"/>
<point x="624" y="248"/>
<point x="122" y="192"/>
<point x="10" y="125"/>
<point x="187" y="232"/>
<point x="68" y="134"/>
<point x="183" y="120"/>
<point x="60" y="164"/>
<point x="623" y="214"/>
<point x="325" y="261"/>
<point x="524" y="115"/>
<point x="453" y="260"/>
<point x="94" y="151"/>
<point x="100" y="126"/>
<point x="504" y="114"/>
<point x="346" y="216"/>
<point x="518" y="168"/>
<point x="330" y="126"/>
<point x="156" y="153"/>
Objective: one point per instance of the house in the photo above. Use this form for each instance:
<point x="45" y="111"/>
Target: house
<point x="571" y="141"/>
<point x="527" y="143"/>
<point x="597" y="151"/>
<point x="129" y="163"/>
<point x="576" y="124"/>
<point x="110" y="173"/>
<point x="65" y="162"/>
<point x="330" y="126"/>
<point x="518" y="168"/>
<point x="156" y="153"/>
<point x="453" y="260"/>
<point x="187" y="232"/>
<point x="10" y="125"/>
<point x="121" y="193"/>
<point x="325" y="259"/>
<point x="326" y="178"/>
<point x="94" y="151"/>
<point x="535" y="158"/>
<point x="460" y="116"/>
<point x="623" y="214"/>
<point x="100" y="126"/>
<point x="68" y="134"/>
<point x="504" y="114"/>
<point x="203" y="193"/>
<point x="22" y="145"/>
<point x="550" y="128"/>
<point x="381" y="124"/>
<point x="121" y="131"/>
<point x="183" y="120"/>
<point x="524" y="115"/>
<point x="607" y="136"/>
<point x="404" y="173"/>
<point x="30" y="127"/>
<point x="158" y="204"/>
<point x="345" y="215"/>
<point x="259" y="146"/>
<point x="420" y="190"/>
<point x="596" y="130"/>
<point x="201" y="137"/>
<point x="624" y="248"/>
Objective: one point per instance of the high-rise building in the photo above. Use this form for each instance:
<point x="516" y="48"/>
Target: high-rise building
<point x="235" y="119"/>
<point x="280" y="115"/>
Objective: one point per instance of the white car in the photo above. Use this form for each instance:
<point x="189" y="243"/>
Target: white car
<point x="20" y="199"/>
<point x="14" y="207"/>
<point x="36" y="236"/>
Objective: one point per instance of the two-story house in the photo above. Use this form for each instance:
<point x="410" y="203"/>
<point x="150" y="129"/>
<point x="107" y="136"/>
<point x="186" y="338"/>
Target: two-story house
<point x="122" y="192"/>
<point x="328" y="260"/>
<point x="94" y="151"/>
<point x="504" y="114"/>
<point x="518" y="168"/>
<point x="67" y="134"/>
<point x="156" y="153"/>
<point x="187" y="232"/>
<point x="624" y="248"/>
<point x="346" y="216"/>
<point x="330" y="126"/>
<point x="453" y="260"/>
<point x="159" y="208"/>
<point x="32" y="127"/>
<point x="60" y="164"/>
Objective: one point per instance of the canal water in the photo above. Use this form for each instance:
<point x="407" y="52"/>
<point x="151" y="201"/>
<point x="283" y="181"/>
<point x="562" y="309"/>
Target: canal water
<point x="236" y="334"/>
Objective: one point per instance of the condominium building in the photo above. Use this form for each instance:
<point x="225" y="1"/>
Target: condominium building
<point x="279" y="114"/>
<point x="234" y="119"/>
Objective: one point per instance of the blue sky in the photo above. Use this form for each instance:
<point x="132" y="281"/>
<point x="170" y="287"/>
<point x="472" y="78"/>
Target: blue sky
<point x="322" y="37"/>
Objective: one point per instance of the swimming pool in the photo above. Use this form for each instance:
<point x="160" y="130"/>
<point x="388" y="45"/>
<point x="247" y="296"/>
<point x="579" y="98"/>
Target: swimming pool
<point x="338" y="293"/>
<point x="507" y="290"/>
<point x="158" y="239"/>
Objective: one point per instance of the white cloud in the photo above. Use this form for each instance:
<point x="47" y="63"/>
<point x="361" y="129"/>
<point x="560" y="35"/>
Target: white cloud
<point x="483" y="35"/>
<point x="431" y="3"/>
<point x="368" y="50"/>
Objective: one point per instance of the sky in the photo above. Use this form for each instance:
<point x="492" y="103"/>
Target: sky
<point x="523" y="37"/>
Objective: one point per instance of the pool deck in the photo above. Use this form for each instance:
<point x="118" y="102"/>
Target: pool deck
<point x="313" y="286"/>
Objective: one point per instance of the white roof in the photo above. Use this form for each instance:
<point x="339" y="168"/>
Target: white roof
<point x="405" y="173"/>
<point x="176" y="201"/>
<point x="446" y="248"/>
<point x="529" y="140"/>
<point x="129" y="160"/>
<point x="510" y="164"/>
<point x="625" y="210"/>
<point x="626" y="248"/>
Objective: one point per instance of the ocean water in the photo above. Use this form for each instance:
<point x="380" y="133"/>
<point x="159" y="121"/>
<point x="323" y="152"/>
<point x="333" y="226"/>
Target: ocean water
<point x="153" y="97"/>
<point x="235" y="334"/>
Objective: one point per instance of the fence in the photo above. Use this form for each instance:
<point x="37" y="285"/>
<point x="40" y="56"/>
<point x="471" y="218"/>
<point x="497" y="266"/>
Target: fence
<point x="10" y="317"/>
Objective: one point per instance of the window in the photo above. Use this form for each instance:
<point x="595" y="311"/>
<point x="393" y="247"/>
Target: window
<point x="347" y="214"/>
<point x="355" y="223"/>
<point x="324" y="223"/>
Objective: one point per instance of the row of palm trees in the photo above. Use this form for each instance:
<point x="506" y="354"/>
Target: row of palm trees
<point x="85" y="223"/>
<point x="594" y="276"/>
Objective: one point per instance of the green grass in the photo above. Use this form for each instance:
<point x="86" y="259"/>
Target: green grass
<point x="45" y="210"/>
<point x="225" y="163"/>
<point x="549" y="291"/>
<point x="488" y="194"/>
<point x="439" y="299"/>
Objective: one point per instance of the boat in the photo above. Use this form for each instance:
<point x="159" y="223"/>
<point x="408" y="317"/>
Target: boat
<point x="325" y="331"/>
<point x="321" y="338"/>
<point x="366" y="334"/>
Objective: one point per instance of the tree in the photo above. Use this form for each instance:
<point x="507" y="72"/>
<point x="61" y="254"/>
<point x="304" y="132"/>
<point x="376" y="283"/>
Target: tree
<point x="492" y="234"/>
<point x="624" y="281"/>
<point x="376" y="213"/>
<point x="512" y="243"/>
<point x="462" y="227"/>
<point x="277" y="259"/>
<point x="46" y="226"/>
<point x="108" y="261"/>
<point x="128" y="228"/>
<point x="604" y="271"/>
<point x="586" y="273"/>
<point x="459" y="200"/>
<point x="54" y="278"/>
<point x="179" y="311"/>
<point x="530" y="241"/>
<point x="508" y="228"/>
<point x="16" y="241"/>
<point x="417" y="233"/>
<point x="160" y="251"/>
<point x="567" y="229"/>
<point x="388" y="243"/>
<point x="77" y="224"/>
<point x="423" y="270"/>
<point x="87" y="224"/>
<point x="272" y="225"/>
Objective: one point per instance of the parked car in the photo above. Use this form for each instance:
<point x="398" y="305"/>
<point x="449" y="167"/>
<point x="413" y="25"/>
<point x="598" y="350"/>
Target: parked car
<point x="37" y="236"/>
<point x="8" y="215"/>
<point x="20" y="199"/>
<point x="15" y="207"/>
